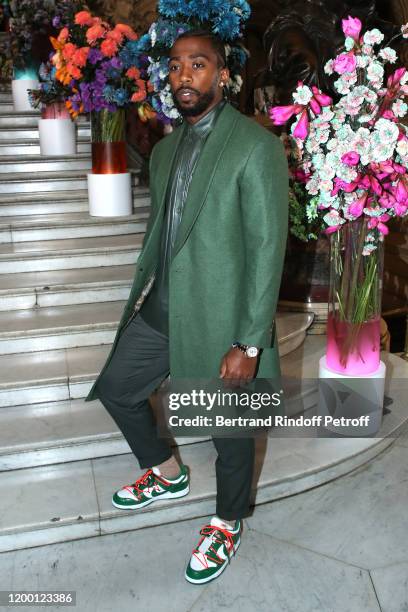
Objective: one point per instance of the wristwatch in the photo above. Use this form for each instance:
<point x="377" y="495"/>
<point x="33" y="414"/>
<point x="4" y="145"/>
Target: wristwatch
<point x="250" y="351"/>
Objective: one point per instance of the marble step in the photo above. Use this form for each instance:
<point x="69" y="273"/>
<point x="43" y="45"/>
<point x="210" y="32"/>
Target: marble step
<point x="19" y="148"/>
<point x="61" y="180"/>
<point x="71" y="501"/>
<point x="60" y="432"/>
<point x="70" y="254"/>
<point x="42" y="163"/>
<point x="19" y="118"/>
<point x="64" y="287"/>
<point x="30" y="133"/>
<point x="6" y="106"/>
<point x="56" y="375"/>
<point x="67" y="429"/>
<point x="56" y="327"/>
<point x="5" y="94"/>
<point x="60" y="202"/>
<point x="72" y="225"/>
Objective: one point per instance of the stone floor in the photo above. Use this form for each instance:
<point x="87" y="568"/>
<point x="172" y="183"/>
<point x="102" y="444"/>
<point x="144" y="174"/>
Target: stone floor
<point x="341" y="547"/>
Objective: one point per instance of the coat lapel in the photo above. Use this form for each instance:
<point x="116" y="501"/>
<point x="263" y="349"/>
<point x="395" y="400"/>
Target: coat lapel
<point x="204" y="172"/>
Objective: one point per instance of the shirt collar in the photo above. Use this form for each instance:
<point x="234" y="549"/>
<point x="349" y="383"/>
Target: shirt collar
<point x="206" y="123"/>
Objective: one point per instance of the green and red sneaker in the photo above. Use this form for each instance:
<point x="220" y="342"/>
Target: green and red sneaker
<point x="213" y="552"/>
<point x="149" y="487"/>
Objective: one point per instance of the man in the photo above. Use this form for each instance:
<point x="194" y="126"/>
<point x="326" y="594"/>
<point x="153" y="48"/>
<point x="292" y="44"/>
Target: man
<point x="210" y="266"/>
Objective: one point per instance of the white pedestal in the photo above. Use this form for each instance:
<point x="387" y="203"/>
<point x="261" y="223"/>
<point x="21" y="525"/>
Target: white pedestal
<point x="351" y="397"/>
<point x="57" y="136"/>
<point x="19" y="88"/>
<point x="110" y="195"/>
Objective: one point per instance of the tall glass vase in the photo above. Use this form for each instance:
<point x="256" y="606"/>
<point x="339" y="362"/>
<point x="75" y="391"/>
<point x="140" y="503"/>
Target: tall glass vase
<point x="108" y="142"/>
<point x="353" y="326"/>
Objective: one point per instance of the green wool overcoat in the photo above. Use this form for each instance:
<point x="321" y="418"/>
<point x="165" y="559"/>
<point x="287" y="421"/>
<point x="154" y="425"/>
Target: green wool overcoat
<point x="228" y="257"/>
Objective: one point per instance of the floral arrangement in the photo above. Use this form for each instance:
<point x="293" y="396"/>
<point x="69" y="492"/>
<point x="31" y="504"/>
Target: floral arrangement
<point x="353" y="159"/>
<point x="28" y="17"/>
<point x="225" y="18"/>
<point x="51" y="91"/>
<point x="354" y="153"/>
<point x="88" y="60"/>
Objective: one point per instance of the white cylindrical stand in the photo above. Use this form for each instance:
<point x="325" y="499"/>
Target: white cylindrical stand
<point x="19" y="88"/>
<point x="110" y="195"/>
<point x="355" y="398"/>
<point x="57" y="136"/>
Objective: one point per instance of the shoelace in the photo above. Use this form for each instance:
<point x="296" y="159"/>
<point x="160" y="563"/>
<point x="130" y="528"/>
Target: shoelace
<point x="211" y="531"/>
<point x="136" y="488"/>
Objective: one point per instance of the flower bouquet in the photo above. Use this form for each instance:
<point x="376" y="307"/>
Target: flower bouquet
<point x="56" y="130"/>
<point x="223" y="17"/>
<point x="88" y="61"/>
<point x="353" y="156"/>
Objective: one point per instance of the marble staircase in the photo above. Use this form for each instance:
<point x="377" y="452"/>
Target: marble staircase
<point x="64" y="277"/>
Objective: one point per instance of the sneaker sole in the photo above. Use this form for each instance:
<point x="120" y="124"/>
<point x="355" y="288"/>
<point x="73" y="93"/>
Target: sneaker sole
<point x="167" y="495"/>
<point x="217" y="573"/>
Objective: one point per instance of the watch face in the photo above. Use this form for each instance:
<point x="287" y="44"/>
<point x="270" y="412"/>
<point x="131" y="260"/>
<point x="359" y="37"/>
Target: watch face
<point x="252" y="351"/>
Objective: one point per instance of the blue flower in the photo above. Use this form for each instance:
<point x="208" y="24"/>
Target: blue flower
<point x="120" y="97"/>
<point x="109" y="93"/>
<point x="227" y="26"/>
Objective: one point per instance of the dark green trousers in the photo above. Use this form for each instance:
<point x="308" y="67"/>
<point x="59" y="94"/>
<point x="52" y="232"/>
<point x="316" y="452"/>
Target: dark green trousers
<point x="139" y="364"/>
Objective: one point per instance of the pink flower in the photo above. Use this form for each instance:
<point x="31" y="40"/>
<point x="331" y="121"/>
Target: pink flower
<point x="109" y="47"/>
<point x="356" y="207"/>
<point x="332" y="229"/>
<point x="401" y="193"/>
<point x="352" y="27"/>
<point x="378" y="223"/>
<point x="322" y="98"/>
<point x="315" y="106"/>
<point x="281" y="114"/>
<point x="350" y="159"/>
<point x="302" y="127"/>
<point x="345" y="62"/>
<point x="395" y="78"/>
<point x="83" y="18"/>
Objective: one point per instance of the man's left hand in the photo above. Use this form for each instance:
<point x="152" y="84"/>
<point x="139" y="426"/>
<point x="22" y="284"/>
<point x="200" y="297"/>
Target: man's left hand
<point x="237" y="367"/>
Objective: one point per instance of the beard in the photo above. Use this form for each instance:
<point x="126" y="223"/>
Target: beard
<point x="203" y="101"/>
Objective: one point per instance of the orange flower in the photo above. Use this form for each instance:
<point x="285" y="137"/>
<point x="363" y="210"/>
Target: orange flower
<point x="126" y="31"/>
<point x="109" y="47"/>
<point x="83" y="18"/>
<point x="138" y="96"/>
<point x="133" y="73"/>
<point x="74" y="113"/>
<point x="115" y="35"/>
<point x="149" y="86"/>
<point x="63" y="35"/>
<point x="95" y="32"/>
<point x="68" y="51"/>
<point x="73" y="71"/>
<point x="141" y="84"/>
<point x="80" y="56"/>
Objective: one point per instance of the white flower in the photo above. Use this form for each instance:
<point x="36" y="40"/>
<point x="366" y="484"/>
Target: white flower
<point x="333" y="218"/>
<point x="303" y="95"/>
<point x="362" y="61"/>
<point x="404" y="78"/>
<point x="373" y="37"/>
<point x="349" y="43"/>
<point x="387" y="130"/>
<point x="153" y="34"/>
<point x="382" y="152"/>
<point x="399" y="108"/>
<point x="328" y="67"/>
<point x="375" y="72"/>
<point x="404" y="30"/>
<point x="388" y="55"/>
<point x="402" y="148"/>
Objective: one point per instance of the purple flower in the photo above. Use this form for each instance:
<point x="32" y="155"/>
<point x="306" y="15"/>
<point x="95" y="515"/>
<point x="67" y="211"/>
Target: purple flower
<point x="56" y="22"/>
<point x="94" y="56"/>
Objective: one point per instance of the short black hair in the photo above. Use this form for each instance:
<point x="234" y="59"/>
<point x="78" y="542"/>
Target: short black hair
<point x="216" y="43"/>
